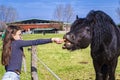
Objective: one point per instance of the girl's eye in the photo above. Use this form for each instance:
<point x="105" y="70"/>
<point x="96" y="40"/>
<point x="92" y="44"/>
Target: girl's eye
<point x="20" y="34"/>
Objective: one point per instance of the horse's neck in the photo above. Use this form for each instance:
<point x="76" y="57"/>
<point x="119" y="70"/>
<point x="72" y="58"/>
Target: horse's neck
<point x="118" y="34"/>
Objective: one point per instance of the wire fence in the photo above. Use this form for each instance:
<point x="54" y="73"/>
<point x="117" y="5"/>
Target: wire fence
<point x="34" y="56"/>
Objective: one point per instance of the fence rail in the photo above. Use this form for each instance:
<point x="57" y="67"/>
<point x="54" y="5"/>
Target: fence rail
<point x="34" y="61"/>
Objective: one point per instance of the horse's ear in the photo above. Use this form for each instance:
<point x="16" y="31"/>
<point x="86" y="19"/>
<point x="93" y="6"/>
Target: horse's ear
<point x="77" y="17"/>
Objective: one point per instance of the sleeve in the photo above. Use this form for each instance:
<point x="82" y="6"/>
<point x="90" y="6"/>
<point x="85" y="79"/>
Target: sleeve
<point x="25" y="43"/>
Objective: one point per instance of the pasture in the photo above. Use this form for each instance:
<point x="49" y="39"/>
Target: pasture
<point x="67" y="65"/>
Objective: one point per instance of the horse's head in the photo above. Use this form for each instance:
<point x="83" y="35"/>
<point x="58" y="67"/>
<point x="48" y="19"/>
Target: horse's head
<point x="95" y="28"/>
<point x="79" y="35"/>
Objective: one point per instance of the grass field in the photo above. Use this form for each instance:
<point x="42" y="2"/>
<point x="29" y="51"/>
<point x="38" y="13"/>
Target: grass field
<point x="67" y="65"/>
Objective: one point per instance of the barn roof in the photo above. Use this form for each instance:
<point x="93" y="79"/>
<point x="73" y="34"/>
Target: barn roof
<point x="35" y="21"/>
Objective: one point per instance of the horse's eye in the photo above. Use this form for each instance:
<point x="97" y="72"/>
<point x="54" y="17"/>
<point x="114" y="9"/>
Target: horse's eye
<point x="87" y="28"/>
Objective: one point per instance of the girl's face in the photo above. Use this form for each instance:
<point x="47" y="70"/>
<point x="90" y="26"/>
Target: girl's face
<point x="17" y="36"/>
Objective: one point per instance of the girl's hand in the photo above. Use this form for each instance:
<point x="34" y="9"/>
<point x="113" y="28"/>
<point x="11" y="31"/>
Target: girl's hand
<point x="57" y="40"/>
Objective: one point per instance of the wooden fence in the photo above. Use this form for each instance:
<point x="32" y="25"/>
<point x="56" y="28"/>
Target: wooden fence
<point x="34" y="61"/>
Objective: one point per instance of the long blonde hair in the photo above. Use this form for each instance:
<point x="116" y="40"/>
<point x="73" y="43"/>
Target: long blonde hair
<point x="6" y="51"/>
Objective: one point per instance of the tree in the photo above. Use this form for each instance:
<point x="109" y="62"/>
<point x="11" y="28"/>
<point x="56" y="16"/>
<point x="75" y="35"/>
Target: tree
<point x="64" y="13"/>
<point x="2" y="26"/>
<point x="7" y="15"/>
<point x="68" y="13"/>
<point x="58" y="14"/>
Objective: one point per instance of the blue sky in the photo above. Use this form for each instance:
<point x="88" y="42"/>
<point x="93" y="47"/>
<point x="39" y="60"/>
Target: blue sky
<point x="44" y="9"/>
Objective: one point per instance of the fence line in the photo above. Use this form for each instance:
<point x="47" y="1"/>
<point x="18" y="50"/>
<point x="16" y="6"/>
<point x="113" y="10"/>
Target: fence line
<point x="33" y="51"/>
<point x="41" y="62"/>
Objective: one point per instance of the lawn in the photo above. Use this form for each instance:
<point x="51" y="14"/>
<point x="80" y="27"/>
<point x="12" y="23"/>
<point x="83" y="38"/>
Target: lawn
<point x="67" y="65"/>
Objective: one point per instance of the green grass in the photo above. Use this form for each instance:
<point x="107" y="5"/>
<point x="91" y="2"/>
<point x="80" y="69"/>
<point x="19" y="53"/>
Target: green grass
<point x="67" y="65"/>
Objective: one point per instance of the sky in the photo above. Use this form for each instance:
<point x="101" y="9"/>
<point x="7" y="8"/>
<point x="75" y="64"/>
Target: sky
<point x="44" y="9"/>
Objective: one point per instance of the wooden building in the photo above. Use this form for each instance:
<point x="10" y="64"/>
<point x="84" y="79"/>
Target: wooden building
<point x="39" y="24"/>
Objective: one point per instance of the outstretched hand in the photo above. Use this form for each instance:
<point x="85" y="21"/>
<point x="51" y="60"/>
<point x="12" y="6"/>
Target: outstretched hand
<point x="57" y="40"/>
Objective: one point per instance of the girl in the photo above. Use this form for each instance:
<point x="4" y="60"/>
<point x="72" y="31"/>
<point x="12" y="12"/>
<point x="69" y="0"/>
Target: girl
<point x="12" y="52"/>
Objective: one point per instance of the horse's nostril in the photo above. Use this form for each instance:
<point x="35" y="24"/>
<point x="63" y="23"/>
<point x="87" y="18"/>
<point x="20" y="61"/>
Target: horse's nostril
<point x="72" y="36"/>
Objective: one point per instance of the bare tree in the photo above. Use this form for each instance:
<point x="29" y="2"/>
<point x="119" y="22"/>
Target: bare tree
<point x="64" y="13"/>
<point x="2" y="26"/>
<point x="7" y="14"/>
<point x="118" y="10"/>
<point x="68" y="13"/>
<point x="58" y="14"/>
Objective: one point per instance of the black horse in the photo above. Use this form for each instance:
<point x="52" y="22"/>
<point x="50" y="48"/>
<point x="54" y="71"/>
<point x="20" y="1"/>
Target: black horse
<point x="99" y="30"/>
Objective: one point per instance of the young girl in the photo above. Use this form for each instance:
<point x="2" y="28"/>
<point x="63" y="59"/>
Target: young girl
<point x="12" y="52"/>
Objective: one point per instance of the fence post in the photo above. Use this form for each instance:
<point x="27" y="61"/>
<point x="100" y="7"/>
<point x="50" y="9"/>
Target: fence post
<point x="24" y="64"/>
<point x="34" y="74"/>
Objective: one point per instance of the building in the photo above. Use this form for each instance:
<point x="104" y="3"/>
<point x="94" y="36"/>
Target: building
<point x="41" y="25"/>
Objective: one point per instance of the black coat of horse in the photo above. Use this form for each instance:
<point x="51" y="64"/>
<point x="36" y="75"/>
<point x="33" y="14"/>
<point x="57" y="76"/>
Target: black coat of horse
<point x="100" y="31"/>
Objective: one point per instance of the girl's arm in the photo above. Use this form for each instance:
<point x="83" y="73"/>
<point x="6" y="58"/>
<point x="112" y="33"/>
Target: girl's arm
<point x="24" y="43"/>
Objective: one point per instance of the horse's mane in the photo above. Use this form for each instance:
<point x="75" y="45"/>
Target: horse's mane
<point x="101" y="26"/>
